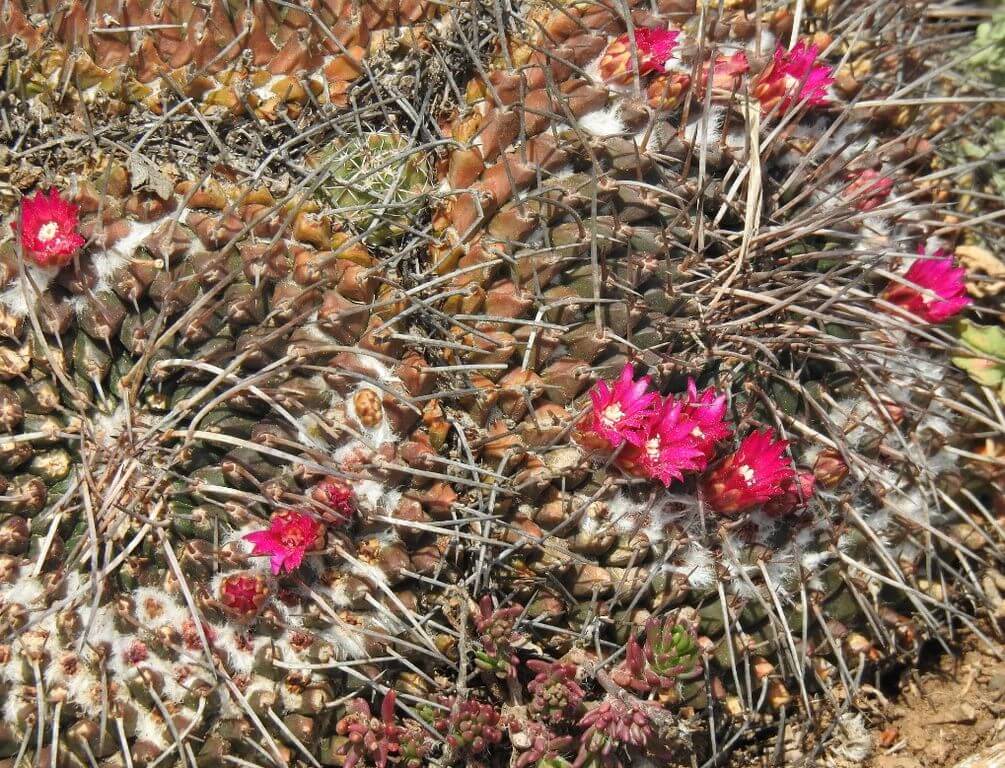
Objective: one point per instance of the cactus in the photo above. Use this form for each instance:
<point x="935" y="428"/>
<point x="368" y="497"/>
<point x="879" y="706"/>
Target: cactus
<point x="376" y="183"/>
<point x="500" y="363"/>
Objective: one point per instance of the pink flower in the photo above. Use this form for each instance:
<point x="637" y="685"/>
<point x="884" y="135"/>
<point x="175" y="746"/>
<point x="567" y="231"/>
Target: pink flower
<point x="937" y="291"/>
<point x="796" y="493"/>
<point x="622" y="414"/>
<point x="868" y="190"/>
<point x="669" y="450"/>
<point x="706" y="412"/>
<point x="726" y="71"/>
<point x="756" y="473"/>
<point x="48" y="229"/>
<point x="653" y="46"/>
<point x="287" y="539"/>
<point x="793" y="76"/>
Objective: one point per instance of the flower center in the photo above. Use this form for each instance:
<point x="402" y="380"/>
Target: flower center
<point x="696" y="432"/>
<point x="747" y="474"/>
<point x="48" y="231"/>
<point x="292" y="539"/>
<point x="612" y="414"/>
<point x="653" y="448"/>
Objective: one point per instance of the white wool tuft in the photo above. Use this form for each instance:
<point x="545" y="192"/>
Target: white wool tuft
<point x="27" y="592"/>
<point x="155" y="609"/>
<point x="604" y="122"/>
<point x="150" y="729"/>
<point x="20" y="297"/>
<point x="695" y="130"/>
<point x="108" y="261"/>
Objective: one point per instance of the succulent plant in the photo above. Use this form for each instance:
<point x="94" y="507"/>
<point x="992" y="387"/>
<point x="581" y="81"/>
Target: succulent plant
<point x="611" y="728"/>
<point x="369" y="740"/>
<point x="556" y="696"/>
<point x="538" y="747"/>
<point x="376" y="182"/>
<point x="496" y="635"/>
<point x="471" y="728"/>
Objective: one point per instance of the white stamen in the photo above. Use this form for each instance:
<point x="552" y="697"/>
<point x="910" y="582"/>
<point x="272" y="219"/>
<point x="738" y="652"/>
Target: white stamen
<point x="653" y="448"/>
<point x="696" y="432"/>
<point x="747" y="474"/>
<point x="48" y="231"/>
<point x="612" y="414"/>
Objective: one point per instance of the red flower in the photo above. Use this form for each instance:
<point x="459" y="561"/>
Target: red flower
<point x="756" y="473"/>
<point x="653" y="46"/>
<point x="793" y="76"/>
<point x="670" y="448"/>
<point x="287" y="539"/>
<point x="243" y="594"/>
<point x="796" y="493"/>
<point x="706" y="412"/>
<point x="48" y="229"/>
<point x="937" y="291"/>
<point x="868" y="190"/>
<point x="337" y="496"/>
<point x="622" y="414"/>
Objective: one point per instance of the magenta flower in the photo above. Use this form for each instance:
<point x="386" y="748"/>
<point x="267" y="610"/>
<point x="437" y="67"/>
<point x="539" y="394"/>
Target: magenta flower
<point x="669" y="449"/>
<point x="622" y="414"/>
<point x="287" y="539"/>
<point x="937" y="291"/>
<point x="706" y="412"/>
<point x="756" y="473"/>
<point x="653" y="47"/>
<point x="793" y="76"/>
<point x="47" y="227"/>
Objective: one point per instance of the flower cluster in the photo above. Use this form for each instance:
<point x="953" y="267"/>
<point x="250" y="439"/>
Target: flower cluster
<point x="665" y="438"/>
<point x="933" y="288"/>
<point x="659" y="438"/>
<point x="757" y="473"/>
<point x="652" y="50"/>
<point x="337" y="496"/>
<point x="867" y="189"/>
<point x="793" y="77"/>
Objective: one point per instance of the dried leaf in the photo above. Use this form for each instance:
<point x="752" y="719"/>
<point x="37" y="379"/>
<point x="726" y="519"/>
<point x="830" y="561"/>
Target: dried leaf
<point x="986" y="266"/>
<point x="985" y="362"/>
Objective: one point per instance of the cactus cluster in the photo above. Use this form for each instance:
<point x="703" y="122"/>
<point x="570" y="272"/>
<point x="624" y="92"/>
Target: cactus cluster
<point x="415" y="384"/>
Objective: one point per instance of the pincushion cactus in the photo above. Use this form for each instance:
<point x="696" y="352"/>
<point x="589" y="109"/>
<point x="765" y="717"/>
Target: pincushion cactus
<point x="391" y="352"/>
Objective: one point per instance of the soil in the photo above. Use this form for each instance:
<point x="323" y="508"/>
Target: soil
<point x="942" y="713"/>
